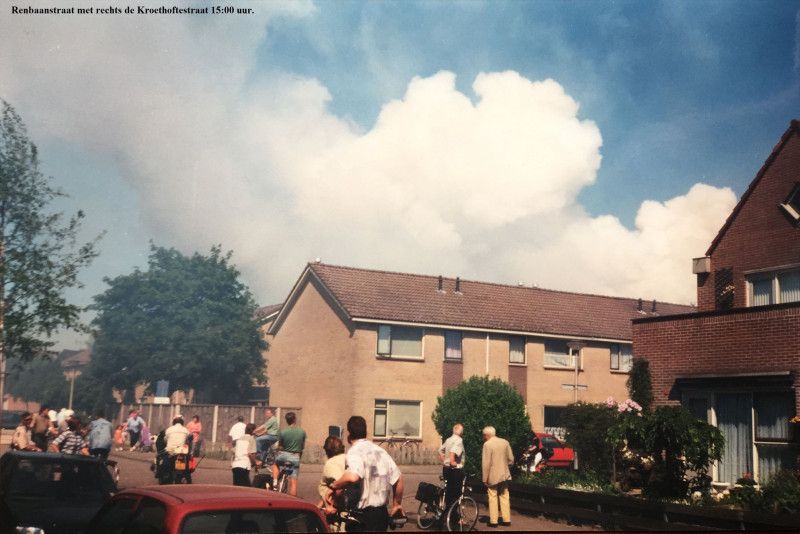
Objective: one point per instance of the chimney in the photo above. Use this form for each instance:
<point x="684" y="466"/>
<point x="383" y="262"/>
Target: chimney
<point x="440" y="284"/>
<point x="640" y="304"/>
<point x="458" y="284"/>
<point x="654" y="305"/>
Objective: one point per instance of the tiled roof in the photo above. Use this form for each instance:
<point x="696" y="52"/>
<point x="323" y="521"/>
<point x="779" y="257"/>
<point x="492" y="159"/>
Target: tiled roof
<point x="410" y="298"/>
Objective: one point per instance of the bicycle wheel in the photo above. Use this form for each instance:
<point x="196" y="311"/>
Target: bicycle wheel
<point x="283" y="484"/>
<point x="426" y="515"/>
<point x="462" y="515"/>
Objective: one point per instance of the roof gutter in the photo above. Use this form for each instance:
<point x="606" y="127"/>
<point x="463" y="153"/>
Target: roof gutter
<point x="490" y="330"/>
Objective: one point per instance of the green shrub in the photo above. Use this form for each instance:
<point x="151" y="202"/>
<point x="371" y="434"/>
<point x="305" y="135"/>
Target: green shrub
<point x="782" y="492"/>
<point x="679" y="443"/>
<point x="567" y="479"/>
<point x="640" y="385"/>
<point x="479" y="402"/>
<point x="587" y="427"/>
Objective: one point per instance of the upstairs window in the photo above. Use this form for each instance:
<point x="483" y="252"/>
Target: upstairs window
<point x="774" y="288"/>
<point x="792" y="204"/>
<point x="516" y="350"/>
<point x="621" y="357"/>
<point x="557" y="354"/>
<point x="452" y="345"/>
<point x="399" y="341"/>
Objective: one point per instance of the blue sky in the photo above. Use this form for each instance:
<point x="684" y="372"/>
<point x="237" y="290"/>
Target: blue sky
<point x="590" y="146"/>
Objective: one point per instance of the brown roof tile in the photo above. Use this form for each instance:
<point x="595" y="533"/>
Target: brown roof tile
<point x="389" y="296"/>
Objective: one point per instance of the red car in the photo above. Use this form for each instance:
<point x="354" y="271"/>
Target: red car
<point x="562" y="456"/>
<point x="200" y="508"/>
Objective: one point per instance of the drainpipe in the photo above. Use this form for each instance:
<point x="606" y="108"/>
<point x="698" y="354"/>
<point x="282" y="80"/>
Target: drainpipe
<point x="487" y="354"/>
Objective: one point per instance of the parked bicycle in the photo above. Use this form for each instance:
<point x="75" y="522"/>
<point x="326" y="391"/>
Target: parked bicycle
<point x="400" y="442"/>
<point x="460" y="516"/>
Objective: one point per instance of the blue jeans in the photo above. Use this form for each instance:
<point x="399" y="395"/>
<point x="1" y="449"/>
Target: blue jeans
<point x="263" y="443"/>
<point x="292" y="457"/>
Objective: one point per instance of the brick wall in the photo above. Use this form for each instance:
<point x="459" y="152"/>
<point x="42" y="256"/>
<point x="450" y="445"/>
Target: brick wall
<point x="741" y="341"/>
<point x="759" y="234"/>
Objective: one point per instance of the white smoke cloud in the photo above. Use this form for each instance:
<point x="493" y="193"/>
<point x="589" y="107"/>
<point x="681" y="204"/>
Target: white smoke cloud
<point x="482" y="186"/>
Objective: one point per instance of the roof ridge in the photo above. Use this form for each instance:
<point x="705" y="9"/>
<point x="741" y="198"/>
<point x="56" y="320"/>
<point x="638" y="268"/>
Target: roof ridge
<point x="496" y="284"/>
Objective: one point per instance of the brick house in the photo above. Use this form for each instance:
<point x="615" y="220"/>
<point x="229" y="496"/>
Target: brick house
<point x="736" y="362"/>
<point x="385" y="345"/>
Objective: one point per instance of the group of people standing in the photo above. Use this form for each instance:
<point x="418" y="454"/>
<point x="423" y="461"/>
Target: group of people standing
<point x="495" y="473"/>
<point x="250" y="445"/>
<point x="40" y="432"/>
<point x="365" y="477"/>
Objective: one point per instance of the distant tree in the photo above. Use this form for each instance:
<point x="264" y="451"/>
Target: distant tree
<point x="479" y="402"/>
<point x="39" y="254"/>
<point x="640" y="383"/>
<point x="42" y="380"/>
<point x="188" y="320"/>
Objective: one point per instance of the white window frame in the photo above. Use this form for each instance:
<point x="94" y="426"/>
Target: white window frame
<point x="570" y="354"/>
<point x="774" y="280"/>
<point x="620" y="360"/>
<point x="385" y="347"/>
<point x="382" y="408"/>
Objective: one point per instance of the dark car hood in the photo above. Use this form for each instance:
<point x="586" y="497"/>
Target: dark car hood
<point x="62" y="516"/>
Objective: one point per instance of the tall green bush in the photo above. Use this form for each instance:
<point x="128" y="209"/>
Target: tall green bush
<point x="479" y="402"/>
<point x="640" y="384"/>
<point x="587" y="427"/>
<point x="680" y="444"/>
<point x="669" y="449"/>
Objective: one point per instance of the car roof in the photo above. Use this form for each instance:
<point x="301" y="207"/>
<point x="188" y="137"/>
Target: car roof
<point x="203" y="496"/>
<point x="40" y="456"/>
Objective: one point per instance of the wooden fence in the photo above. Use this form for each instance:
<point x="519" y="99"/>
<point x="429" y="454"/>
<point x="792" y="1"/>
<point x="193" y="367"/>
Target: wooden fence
<point x="217" y="420"/>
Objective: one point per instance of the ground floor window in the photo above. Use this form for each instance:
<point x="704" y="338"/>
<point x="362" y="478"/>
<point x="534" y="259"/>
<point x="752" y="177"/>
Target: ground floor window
<point x="397" y="418"/>
<point x="755" y="424"/>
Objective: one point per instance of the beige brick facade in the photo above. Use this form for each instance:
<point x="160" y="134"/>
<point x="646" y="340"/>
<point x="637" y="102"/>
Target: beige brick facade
<point x="325" y="360"/>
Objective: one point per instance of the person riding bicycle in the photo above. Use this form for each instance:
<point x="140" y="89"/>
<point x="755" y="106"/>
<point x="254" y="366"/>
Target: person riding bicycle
<point x="534" y="452"/>
<point x="372" y="470"/>
<point x="291" y="442"/>
<point x="452" y="456"/>
<point x="267" y="434"/>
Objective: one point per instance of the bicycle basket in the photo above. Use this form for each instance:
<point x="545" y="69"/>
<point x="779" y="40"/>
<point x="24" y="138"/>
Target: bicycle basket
<point x="427" y="493"/>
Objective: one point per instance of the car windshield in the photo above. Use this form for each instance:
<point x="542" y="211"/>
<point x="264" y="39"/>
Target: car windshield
<point x="551" y="442"/>
<point x="48" y="478"/>
<point x="252" y="522"/>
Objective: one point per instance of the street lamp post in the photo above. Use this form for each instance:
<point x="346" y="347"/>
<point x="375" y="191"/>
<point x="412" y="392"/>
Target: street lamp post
<point x="575" y="348"/>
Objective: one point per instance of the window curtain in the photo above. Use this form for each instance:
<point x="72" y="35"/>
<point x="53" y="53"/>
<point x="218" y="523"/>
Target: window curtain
<point x="556" y="354"/>
<point x="734" y="419"/>
<point x="452" y="345"/>
<point x="516" y="349"/>
<point x="790" y="287"/>
<point x="384" y="339"/>
<point x="773" y="410"/>
<point x="406" y="341"/>
<point x="762" y="292"/>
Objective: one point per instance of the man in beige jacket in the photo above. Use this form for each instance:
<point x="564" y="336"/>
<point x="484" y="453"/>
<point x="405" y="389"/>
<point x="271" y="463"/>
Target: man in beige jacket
<point x="497" y="456"/>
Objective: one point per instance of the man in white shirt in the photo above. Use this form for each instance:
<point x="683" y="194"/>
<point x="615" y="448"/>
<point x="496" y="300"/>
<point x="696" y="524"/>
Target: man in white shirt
<point x="236" y="431"/>
<point x="452" y="455"/>
<point x="372" y="470"/>
<point x="244" y="455"/>
<point x="176" y="435"/>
